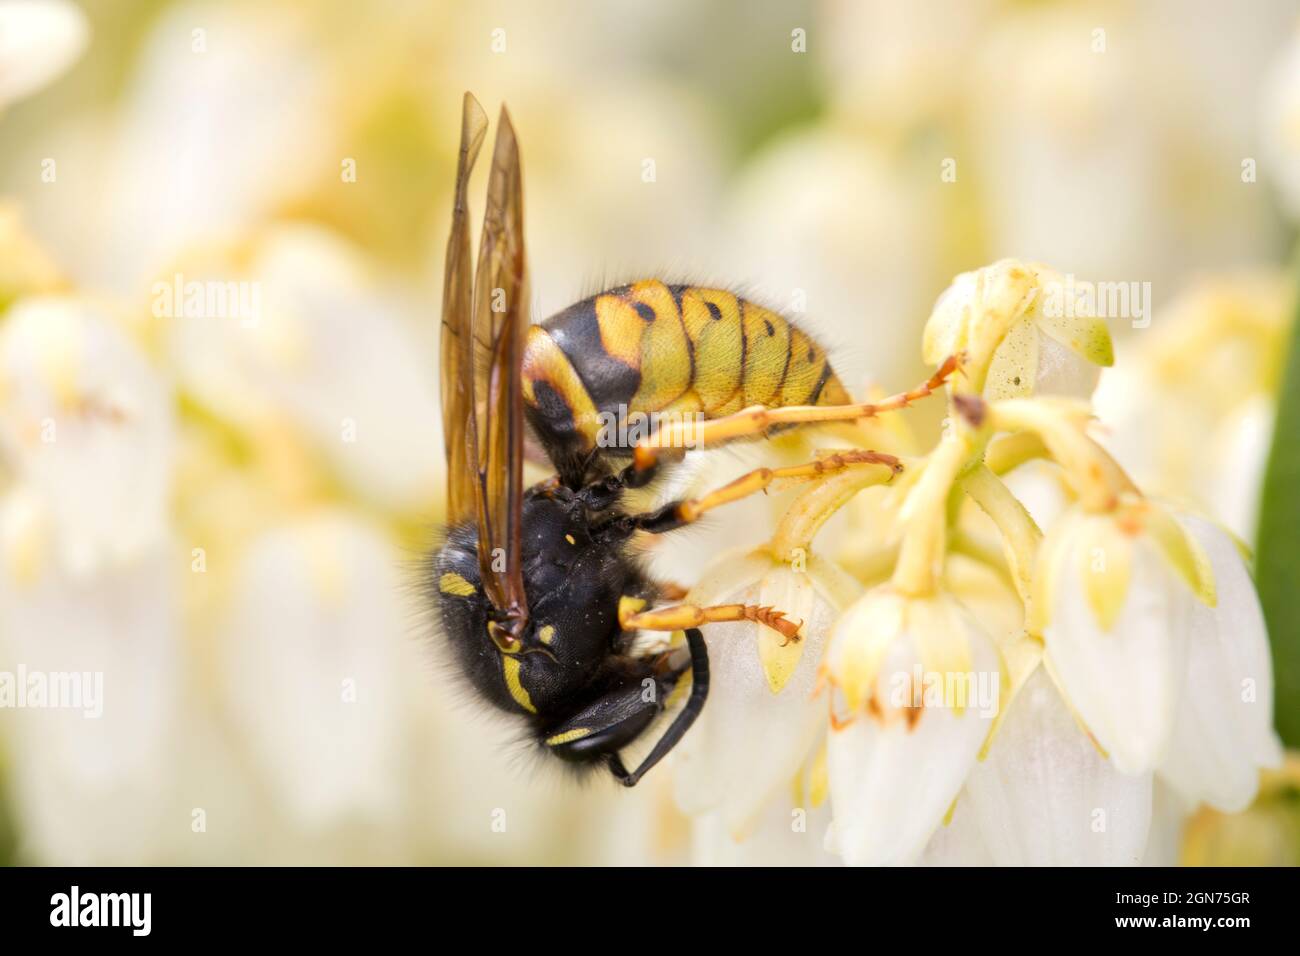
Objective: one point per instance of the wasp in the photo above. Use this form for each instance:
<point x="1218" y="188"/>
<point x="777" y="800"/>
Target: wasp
<point x="539" y="589"/>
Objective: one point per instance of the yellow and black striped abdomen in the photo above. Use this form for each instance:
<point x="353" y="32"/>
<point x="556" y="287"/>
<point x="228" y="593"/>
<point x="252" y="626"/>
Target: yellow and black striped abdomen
<point x="651" y="348"/>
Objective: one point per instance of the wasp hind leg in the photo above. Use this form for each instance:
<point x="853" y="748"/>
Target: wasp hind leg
<point x="670" y="443"/>
<point x="677" y="514"/>
<point x="617" y="718"/>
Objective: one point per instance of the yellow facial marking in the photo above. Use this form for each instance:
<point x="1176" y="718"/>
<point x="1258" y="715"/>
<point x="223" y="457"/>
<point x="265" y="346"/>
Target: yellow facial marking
<point x="510" y="667"/>
<point x="569" y="538"/>
<point x="767" y="347"/>
<point x="453" y="583"/>
<point x="547" y="634"/>
<point x="577" y="733"/>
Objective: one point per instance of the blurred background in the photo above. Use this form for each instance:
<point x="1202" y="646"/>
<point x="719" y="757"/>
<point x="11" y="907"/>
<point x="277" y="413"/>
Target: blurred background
<point x="221" y="504"/>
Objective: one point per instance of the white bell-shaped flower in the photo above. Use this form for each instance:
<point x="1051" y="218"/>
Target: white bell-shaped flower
<point x="1046" y="796"/>
<point x="762" y="719"/>
<point x="1115" y="594"/>
<point x="921" y="682"/>
<point x="1223" y="733"/>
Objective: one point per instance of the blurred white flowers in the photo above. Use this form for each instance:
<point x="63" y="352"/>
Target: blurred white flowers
<point x="87" y="574"/>
<point x="1281" y="131"/>
<point x="39" y="39"/>
<point x="216" y="510"/>
<point x="87" y="427"/>
<point x="1190" y="414"/>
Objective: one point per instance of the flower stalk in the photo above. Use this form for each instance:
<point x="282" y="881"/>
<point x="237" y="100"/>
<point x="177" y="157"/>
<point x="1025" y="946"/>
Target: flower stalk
<point x="1020" y="534"/>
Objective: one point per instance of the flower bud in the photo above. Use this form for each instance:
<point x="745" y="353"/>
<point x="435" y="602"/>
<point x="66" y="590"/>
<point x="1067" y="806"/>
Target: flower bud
<point x="1048" y="338"/>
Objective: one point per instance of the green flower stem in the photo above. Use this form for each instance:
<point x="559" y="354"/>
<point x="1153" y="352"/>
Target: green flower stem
<point x="1277" y="561"/>
<point x="1008" y="452"/>
<point x="924" y="516"/>
<point x="1096" y="477"/>
<point x="814" y="506"/>
<point x="1020" y="534"/>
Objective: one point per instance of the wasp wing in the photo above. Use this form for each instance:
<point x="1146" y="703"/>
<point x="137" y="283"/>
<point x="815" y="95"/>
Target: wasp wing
<point x="500" y="321"/>
<point x="457" y="356"/>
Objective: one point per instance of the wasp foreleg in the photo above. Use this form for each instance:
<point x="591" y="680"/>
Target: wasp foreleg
<point x="671" y="441"/>
<point x="681" y="616"/>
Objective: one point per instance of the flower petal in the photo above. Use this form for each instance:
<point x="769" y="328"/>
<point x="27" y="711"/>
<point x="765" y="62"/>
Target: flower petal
<point x="1124" y="683"/>
<point x="893" y="781"/>
<point x="792" y="593"/>
<point x="782" y="836"/>
<point x="1061" y="372"/>
<point x="945" y="330"/>
<point x="958" y="842"/>
<point x="751" y="741"/>
<point x="1183" y="552"/>
<point x="1014" y="369"/>
<point x="862" y="637"/>
<point x="1107" y="572"/>
<point x="1168" y="818"/>
<point x="1045" y="796"/>
<point x="1087" y="336"/>
<point x="1224" y="730"/>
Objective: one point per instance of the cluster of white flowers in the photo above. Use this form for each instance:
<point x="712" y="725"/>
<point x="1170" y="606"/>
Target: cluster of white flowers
<point x="212" y="512"/>
<point x="970" y="688"/>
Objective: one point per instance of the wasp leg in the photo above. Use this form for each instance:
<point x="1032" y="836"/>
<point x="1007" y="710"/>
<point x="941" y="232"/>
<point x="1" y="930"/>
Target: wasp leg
<point x="681" y="723"/>
<point x="611" y="721"/>
<point x="616" y="718"/>
<point x="676" y="514"/>
<point x="671" y="441"/>
<point x="691" y="615"/>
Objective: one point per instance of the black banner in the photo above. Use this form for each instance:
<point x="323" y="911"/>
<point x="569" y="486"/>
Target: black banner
<point x="331" y="906"/>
